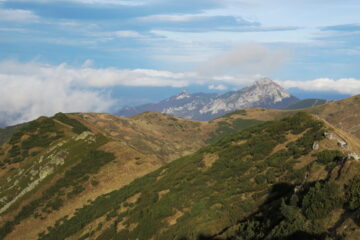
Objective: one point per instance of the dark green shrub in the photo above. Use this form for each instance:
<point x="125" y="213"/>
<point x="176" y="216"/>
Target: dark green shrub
<point x="250" y="230"/>
<point x="14" y="151"/>
<point x="94" y="182"/>
<point x="353" y="193"/>
<point x="260" y="179"/>
<point x="329" y="156"/>
<point x="77" y="126"/>
<point x="320" y="200"/>
<point x="16" y="137"/>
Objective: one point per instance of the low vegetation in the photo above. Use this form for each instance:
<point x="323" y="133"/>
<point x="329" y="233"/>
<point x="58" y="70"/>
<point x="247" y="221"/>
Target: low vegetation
<point x="225" y="128"/>
<point x="38" y="134"/>
<point x="72" y="183"/>
<point x="220" y="196"/>
<point x="77" y="126"/>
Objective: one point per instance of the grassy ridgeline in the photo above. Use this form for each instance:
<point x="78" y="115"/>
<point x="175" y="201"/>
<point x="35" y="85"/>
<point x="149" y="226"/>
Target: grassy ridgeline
<point x="189" y="197"/>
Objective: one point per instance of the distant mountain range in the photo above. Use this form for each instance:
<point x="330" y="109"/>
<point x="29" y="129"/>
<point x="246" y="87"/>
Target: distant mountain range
<point x="263" y="93"/>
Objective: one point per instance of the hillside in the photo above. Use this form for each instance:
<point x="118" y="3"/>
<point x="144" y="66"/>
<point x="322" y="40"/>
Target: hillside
<point x="39" y="164"/>
<point x="343" y="114"/>
<point x="40" y="174"/>
<point x="306" y="103"/>
<point x="6" y="133"/>
<point x="280" y="180"/>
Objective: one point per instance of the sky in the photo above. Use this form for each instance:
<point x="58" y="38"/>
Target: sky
<point x="101" y="55"/>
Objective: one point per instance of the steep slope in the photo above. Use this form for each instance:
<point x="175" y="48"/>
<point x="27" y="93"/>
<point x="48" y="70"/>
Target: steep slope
<point x="344" y="114"/>
<point x="263" y="93"/>
<point x="234" y="187"/>
<point x="307" y="103"/>
<point x="165" y="137"/>
<point x="52" y="166"/>
<point x="6" y="133"/>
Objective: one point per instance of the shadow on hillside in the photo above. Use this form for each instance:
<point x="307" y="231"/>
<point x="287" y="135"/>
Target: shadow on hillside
<point x="269" y="210"/>
<point x="300" y="235"/>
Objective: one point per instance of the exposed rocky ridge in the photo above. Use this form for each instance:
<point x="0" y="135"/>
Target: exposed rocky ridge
<point x="263" y="93"/>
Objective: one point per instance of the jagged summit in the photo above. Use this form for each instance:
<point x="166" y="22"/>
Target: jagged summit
<point x="264" y="93"/>
<point x="267" y="88"/>
<point x="183" y="94"/>
<point x="264" y="81"/>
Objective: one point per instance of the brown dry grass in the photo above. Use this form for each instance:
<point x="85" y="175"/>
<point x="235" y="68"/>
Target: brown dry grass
<point x="173" y="219"/>
<point x="111" y="177"/>
<point x="163" y="193"/>
<point x="209" y="159"/>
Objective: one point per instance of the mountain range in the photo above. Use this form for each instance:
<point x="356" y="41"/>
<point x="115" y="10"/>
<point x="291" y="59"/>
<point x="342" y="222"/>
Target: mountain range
<point x="251" y="174"/>
<point x="263" y="93"/>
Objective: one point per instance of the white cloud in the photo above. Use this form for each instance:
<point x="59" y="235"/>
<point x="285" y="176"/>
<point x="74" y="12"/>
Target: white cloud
<point x="17" y="15"/>
<point x="110" y="2"/>
<point x="248" y="58"/>
<point x="117" y="34"/>
<point x="127" y="34"/>
<point x="217" y="87"/>
<point x="170" y="18"/>
<point x="345" y="85"/>
<point x="31" y="90"/>
<point x="113" y="2"/>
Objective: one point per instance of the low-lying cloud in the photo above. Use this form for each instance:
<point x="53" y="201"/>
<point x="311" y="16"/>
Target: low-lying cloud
<point x="349" y="86"/>
<point x="29" y="90"/>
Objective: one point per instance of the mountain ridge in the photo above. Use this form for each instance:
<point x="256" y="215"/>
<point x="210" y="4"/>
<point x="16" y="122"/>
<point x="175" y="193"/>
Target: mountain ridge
<point x="205" y="106"/>
<point x="277" y="151"/>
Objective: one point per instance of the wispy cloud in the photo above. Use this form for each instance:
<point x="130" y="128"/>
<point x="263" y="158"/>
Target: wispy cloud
<point x="17" y="16"/>
<point x="248" y="58"/>
<point x="220" y="87"/>
<point x="97" y="2"/>
<point x="343" y="28"/>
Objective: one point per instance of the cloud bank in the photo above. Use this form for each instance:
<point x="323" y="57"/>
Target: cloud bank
<point x="29" y="90"/>
<point x="349" y="86"/>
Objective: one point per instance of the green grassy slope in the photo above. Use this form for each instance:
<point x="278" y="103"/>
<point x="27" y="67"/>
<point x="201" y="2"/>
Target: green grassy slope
<point x="50" y="164"/>
<point x="49" y="151"/>
<point x="6" y="133"/>
<point x="211" y="192"/>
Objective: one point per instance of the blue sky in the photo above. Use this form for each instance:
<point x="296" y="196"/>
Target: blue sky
<point x="105" y="54"/>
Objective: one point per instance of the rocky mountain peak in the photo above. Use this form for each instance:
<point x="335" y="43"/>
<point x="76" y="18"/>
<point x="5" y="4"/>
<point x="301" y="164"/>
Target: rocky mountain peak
<point x="263" y="93"/>
<point x="183" y="94"/>
<point x="264" y="81"/>
<point x="265" y="87"/>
